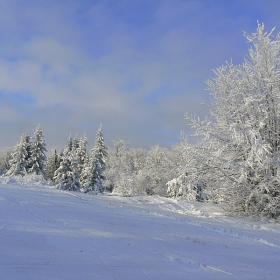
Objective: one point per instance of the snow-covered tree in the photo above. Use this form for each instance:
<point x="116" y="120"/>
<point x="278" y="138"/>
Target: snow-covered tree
<point x="66" y="177"/>
<point x="76" y="142"/>
<point x="38" y="157"/>
<point x="68" y="148"/>
<point x="90" y="177"/>
<point x="240" y="147"/>
<point x="81" y="153"/>
<point x="75" y="175"/>
<point x="5" y="158"/>
<point x="20" y="157"/>
<point x="63" y="176"/>
<point x="99" y="151"/>
<point x="116" y="166"/>
<point x="122" y="168"/>
<point x="137" y="171"/>
<point x="157" y="170"/>
<point x="183" y="187"/>
<point x="52" y="165"/>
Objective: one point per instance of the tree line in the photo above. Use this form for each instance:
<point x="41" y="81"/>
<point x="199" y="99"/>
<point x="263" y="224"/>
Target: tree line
<point x="74" y="168"/>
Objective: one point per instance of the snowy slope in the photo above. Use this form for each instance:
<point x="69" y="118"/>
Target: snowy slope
<point x="50" y="234"/>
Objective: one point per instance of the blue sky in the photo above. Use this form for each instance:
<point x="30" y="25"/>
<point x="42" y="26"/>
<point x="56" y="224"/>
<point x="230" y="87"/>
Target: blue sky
<point x="137" y="66"/>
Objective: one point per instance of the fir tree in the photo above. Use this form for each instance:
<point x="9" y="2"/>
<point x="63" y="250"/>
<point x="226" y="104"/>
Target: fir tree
<point x="81" y="153"/>
<point x="90" y="177"/>
<point x="20" y="157"/>
<point x="38" y="157"/>
<point x="5" y="158"/>
<point x="66" y="176"/>
<point x="76" y="142"/>
<point x="99" y="151"/>
<point x="74" y="166"/>
<point x="63" y="175"/>
<point x="52" y="165"/>
<point x="68" y="149"/>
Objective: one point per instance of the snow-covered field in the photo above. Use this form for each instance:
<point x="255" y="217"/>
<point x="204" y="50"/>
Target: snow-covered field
<point x="50" y="234"/>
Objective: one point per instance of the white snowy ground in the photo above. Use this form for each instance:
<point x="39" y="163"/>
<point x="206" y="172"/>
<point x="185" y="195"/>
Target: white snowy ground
<point x="50" y="234"/>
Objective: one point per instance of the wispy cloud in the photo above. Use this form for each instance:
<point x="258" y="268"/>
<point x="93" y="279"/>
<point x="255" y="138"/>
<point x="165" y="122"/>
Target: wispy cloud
<point x="136" y="66"/>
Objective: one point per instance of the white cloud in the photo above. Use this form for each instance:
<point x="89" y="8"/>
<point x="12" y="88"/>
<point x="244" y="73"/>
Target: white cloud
<point x="82" y="63"/>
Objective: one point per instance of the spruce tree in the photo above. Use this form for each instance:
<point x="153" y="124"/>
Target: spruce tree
<point x="63" y="175"/>
<point x="38" y="157"/>
<point x="66" y="176"/>
<point x="99" y="151"/>
<point x="52" y="165"/>
<point x="68" y="149"/>
<point x="20" y="157"/>
<point x="82" y="153"/>
<point x="90" y="177"/>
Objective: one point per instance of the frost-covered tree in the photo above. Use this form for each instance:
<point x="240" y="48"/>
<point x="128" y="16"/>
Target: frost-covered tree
<point x="63" y="176"/>
<point x="136" y="160"/>
<point x="52" y="165"/>
<point x="137" y="171"/>
<point x="20" y="157"/>
<point x="240" y="147"/>
<point x="5" y="158"/>
<point x="76" y="142"/>
<point x="38" y="157"/>
<point x="81" y="153"/>
<point x="122" y="168"/>
<point x="157" y="170"/>
<point x="90" y="177"/>
<point x="68" y="148"/>
<point x="66" y="177"/>
<point x="183" y="187"/>
<point x="115" y="172"/>
<point x="74" y="174"/>
<point x="190" y="184"/>
<point x="99" y="151"/>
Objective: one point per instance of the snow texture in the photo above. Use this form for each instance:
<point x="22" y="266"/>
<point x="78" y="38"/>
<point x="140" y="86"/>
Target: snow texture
<point x="51" y="234"/>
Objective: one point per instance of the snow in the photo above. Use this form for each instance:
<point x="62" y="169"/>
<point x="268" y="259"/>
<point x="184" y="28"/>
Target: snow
<point x="47" y="233"/>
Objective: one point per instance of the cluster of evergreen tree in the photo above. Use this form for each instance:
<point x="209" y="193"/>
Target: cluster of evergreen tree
<point x="75" y="168"/>
<point x="28" y="156"/>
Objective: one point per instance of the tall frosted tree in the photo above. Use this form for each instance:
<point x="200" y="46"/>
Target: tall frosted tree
<point x="90" y="177"/>
<point x="38" y="157"/>
<point x="116" y="170"/>
<point x="20" y="157"/>
<point x="241" y="140"/>
<point x="81" y="153"/>
<point x="5" y="158"/>
<point x="124" y="170"/>
<point x="66" y="177"/>
<point x="68" y="148"/>
<point x="76" y="142"/>
<point x="52" y="165"/>
<point x="99" y="151"/>
<point x="157" y="170"/>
